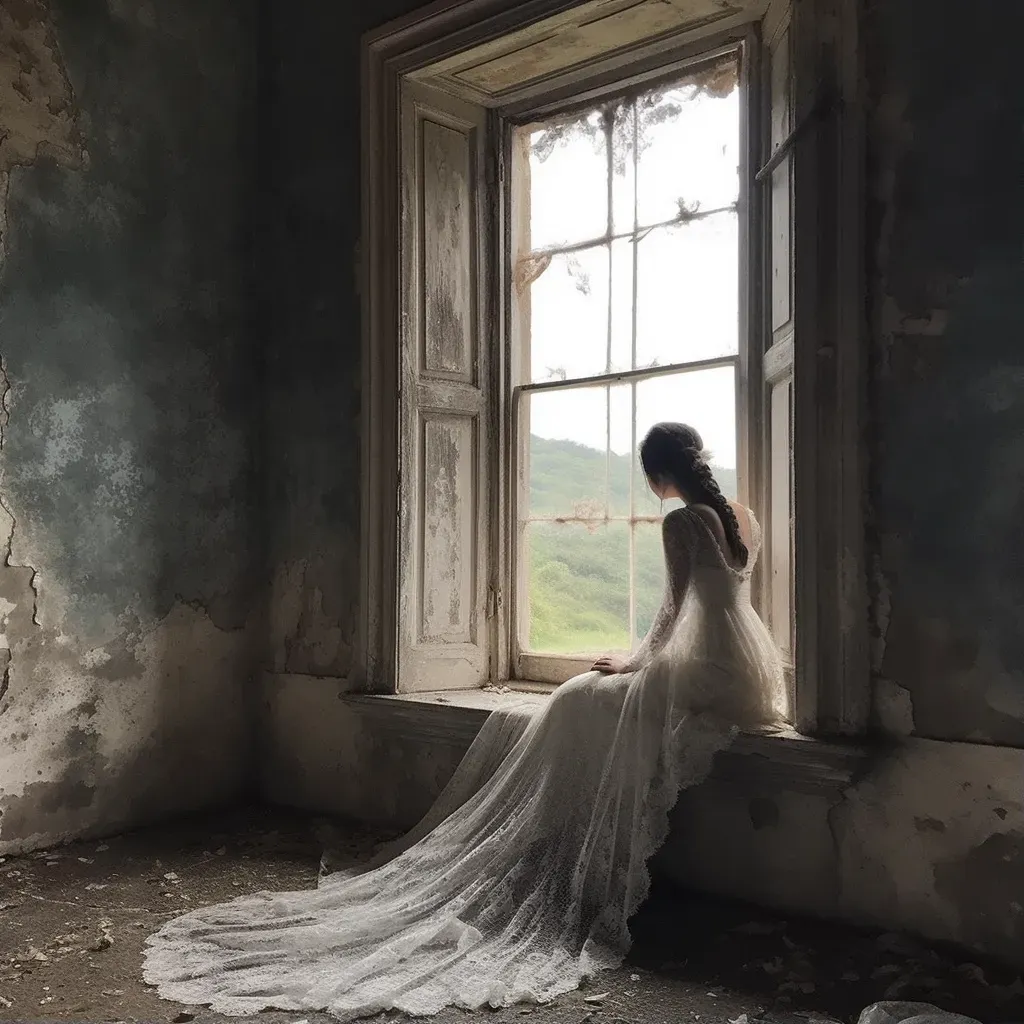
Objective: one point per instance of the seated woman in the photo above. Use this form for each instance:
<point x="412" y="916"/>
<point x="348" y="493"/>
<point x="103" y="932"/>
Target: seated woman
<point x="521" y="880"/>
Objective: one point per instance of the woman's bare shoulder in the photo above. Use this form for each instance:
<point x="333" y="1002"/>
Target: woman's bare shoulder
<point x="707" y="515"/>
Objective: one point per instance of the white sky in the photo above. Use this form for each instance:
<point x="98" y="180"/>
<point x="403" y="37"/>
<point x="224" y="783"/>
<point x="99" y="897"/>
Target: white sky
<point x="688" y="284"/>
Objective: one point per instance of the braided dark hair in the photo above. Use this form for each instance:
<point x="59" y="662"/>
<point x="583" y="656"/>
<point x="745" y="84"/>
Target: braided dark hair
<point x="674" y="453"/>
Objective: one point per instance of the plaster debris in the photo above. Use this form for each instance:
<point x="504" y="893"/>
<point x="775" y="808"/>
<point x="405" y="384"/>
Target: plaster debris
<point x="105" y="941"/>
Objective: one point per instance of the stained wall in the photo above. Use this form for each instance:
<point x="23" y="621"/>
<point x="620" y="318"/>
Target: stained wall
<point x="131" y="398"/>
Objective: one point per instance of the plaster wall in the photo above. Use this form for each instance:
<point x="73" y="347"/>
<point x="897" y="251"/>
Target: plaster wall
<point x="127" y="511"/>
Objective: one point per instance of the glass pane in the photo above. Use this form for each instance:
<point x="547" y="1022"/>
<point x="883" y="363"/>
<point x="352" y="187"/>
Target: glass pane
<point x="688" y="292"/>
<point x="568" y="182"/>
<point x="624" y="169"/>
<point x="577" y="588"/>
<point x="621" y="449"/>
<point x="649" y="569"/>
<point x="622" y="307"/>
<point x="689" y="146"/>
<point x="569" y="316"/>
<point x="568" y="438"/>
<point x="706" y="400"/>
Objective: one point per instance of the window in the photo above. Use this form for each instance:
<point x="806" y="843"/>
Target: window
<point x="625" y="281"/>
<point x="580" y="219"/>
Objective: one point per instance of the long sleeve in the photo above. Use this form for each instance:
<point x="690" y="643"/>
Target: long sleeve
<point x="676" y="538"/>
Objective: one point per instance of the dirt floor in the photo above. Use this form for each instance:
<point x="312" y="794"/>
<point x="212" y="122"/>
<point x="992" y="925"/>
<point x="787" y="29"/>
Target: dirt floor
<point x="73" y="921"/>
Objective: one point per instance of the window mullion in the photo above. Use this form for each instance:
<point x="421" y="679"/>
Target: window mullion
<point x="625" y="376"/>
<point x="632" y="388"/>
<point x="609" y="137"/>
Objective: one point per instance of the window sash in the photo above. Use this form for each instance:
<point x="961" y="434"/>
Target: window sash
<point x="550" y="667"/>
<point x="524" y="660"/>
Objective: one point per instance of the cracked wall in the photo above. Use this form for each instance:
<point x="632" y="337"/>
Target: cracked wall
<point x="130" y="398"/>
<point x="313" y="441"/>
<point x="937" y="832"/>
<point x="948" y="370"/>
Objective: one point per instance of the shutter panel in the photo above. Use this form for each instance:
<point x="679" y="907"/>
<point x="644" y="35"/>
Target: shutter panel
<point x="778" y="359"/>
<point x="443" y="486"/>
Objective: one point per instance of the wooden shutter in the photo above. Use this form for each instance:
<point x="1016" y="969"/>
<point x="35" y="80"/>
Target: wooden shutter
<point x="443" y="487"/>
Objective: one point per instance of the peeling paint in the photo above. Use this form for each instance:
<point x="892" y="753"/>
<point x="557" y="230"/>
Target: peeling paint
<point x="40" y="117"/>
<point x="163" y="742"/>
<point x="912" y="834"/>
<point x="894" y="708"/>
<point x="946" y="456"/>
<point x="309" y="634"/>
<point x="22" y="582"/>
<point x="127" y="411"/>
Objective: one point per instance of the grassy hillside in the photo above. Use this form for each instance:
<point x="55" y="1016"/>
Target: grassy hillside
<point x="579" y="574"/>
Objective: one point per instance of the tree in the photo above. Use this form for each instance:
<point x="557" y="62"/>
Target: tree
<point x="613" y="124"/>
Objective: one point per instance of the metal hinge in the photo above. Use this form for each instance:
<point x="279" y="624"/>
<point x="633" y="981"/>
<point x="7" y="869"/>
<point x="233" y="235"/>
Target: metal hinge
<point x="493" y="601"/>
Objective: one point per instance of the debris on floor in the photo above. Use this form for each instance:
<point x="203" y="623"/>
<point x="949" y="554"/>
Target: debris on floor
<point x="73" y="923"/>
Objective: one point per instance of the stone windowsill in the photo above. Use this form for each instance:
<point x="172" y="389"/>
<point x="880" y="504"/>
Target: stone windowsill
<point x="772" y="760"/>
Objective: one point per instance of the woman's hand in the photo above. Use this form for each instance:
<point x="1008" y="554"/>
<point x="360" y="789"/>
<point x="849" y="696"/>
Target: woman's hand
<point x="609" y="665"/>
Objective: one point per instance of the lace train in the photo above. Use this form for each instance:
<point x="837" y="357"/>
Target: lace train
<point x="521" y="881"/>
<point x="520" y="894"/>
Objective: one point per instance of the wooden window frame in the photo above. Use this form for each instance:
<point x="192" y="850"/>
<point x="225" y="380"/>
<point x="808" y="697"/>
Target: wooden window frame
<point x="832" y="689"/>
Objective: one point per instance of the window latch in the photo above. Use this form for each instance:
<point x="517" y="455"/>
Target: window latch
<point x="818" y="112"/>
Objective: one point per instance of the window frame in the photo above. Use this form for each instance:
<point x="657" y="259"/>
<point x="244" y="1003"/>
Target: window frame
<point x="831" y="606"/>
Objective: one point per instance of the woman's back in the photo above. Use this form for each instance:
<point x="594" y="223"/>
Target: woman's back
<point x="715" y="633"/>
<point x="699" y="561"/>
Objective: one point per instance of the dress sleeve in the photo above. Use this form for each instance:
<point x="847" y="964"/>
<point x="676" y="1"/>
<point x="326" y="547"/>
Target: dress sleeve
<point x="677" y="539"/>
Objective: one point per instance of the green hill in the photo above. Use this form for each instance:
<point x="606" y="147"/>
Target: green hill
<point x="579" y="574"/>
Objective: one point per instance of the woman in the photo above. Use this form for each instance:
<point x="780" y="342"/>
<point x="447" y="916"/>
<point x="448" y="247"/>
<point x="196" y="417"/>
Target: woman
<point x="521" y="880"/>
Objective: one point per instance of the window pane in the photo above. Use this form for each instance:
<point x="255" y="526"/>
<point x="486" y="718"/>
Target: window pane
<point x="688" y="292"/>
<point x="569" y="316"/>
<point x="706" y="400"/>
<point x="568" y="437"/>
<point x="624" y="169"/>
<point x="577" y="588"/>
<point x="621" y="454"/>
<point x="649" y="562"/>
<point x="568" y="182"/>
<point x="689" y="146"/>
<point x="622" y="307"/>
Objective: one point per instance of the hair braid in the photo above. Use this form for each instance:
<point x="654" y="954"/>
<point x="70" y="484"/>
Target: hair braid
<point x="717" y="500"/>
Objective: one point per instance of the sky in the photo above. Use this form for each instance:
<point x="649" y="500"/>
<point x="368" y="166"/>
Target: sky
<point x="688" y="280"/>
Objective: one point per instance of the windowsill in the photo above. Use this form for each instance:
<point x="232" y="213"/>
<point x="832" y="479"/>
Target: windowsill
<point x="774" y="760"/>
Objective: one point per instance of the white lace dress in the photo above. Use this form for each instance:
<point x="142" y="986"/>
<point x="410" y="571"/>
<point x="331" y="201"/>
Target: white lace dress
<point x="521" y="880"/>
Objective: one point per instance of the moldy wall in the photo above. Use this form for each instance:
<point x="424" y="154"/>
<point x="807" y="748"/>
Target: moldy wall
<point x="313" y="441"/>
<point x="946" y="266"/>
<point x="130" y="403"/>
<point x="947" y="272"/>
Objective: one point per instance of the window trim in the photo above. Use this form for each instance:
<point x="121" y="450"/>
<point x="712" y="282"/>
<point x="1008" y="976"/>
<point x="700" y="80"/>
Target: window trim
<point x="833" y="691"/>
